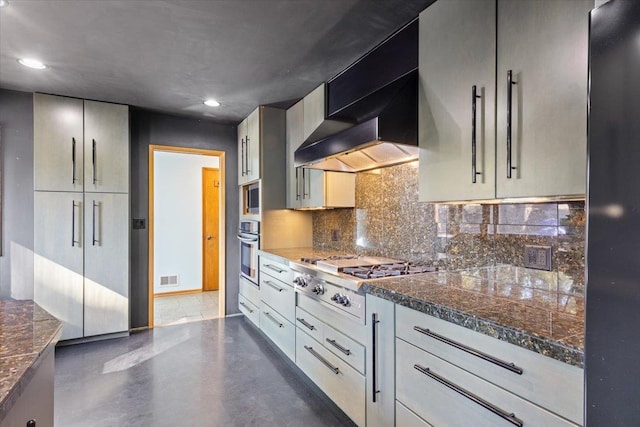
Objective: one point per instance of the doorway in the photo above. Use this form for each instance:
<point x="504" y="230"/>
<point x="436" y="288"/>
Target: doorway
<point x="186" y="234"/>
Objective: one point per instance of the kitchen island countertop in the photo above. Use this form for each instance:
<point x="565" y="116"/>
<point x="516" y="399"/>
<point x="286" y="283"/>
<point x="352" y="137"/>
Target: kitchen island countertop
<point x="541" y="311"/>
<point x="27" y="334"/>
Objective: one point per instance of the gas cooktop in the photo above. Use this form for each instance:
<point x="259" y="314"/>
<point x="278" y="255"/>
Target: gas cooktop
<point x="367" y="267"/>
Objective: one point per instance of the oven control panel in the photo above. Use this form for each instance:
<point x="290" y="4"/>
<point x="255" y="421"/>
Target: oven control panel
<point x="337" y="297"/>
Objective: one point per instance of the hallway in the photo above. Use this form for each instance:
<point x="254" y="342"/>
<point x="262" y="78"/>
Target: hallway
<point x="175" y="309"/>
<point x="219" y="372"/>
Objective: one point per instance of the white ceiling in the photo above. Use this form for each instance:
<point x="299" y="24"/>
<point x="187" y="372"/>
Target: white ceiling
<point x="170" y="55"/>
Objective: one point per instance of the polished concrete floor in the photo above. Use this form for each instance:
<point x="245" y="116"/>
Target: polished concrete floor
<point x="220" y="372"/>
<point x="175" y="309"/>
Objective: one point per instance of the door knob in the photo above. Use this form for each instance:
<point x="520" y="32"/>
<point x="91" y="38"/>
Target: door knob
<point x="209" y="237"/>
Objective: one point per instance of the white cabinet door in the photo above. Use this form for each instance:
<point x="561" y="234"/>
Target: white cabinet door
<point x="380" y="369"/>
<point x="294" y="130"/>
<point x="242" y="149"/>
<point x="314" y="111"/>
<point x="58" y="259"/>
<point x="106" y="270"/>
<point x="253" y="145"/>
<point x="544" y="45"/>
<point x="106" y="147"/>
<point x="313" y="188"/>
<point x="457" y="53"/>
<point x="58" y="143"/>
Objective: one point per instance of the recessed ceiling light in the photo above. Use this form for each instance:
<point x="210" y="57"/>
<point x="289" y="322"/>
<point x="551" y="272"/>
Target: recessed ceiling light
<point x="32" y="63"/>
<point x="4" y="3"/>
<point x="211" y="103"/>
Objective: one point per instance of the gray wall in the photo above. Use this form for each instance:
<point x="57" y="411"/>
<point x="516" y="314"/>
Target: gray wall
<point x="16" y="127"/>
<point x="149" y="128"/>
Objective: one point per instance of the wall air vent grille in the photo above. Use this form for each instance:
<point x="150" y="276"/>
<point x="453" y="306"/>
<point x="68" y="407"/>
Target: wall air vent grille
<point x="169" y="280"/>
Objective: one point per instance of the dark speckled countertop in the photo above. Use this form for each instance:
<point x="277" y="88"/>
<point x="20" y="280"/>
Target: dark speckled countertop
<point x="541" y="311"/>
<point x="27" y="332"/>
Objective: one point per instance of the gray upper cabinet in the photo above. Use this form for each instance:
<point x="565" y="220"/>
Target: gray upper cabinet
<point x="294" y="135"/>
<point x="545" y="47"/>
<point x="58" y="143"/>
<point x="535" y="145"/>
<point x="457" y="54"/>
<point x="106" y="147"/>
<point x="314" y="111"/>
<point x="249" y="148"/>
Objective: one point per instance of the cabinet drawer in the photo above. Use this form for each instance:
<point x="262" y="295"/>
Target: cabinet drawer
<point x="276" y="269"/>
<point x="249" y="309"/>
<point x="345" y="348"/>
<point x="541" y="378"/>
<point x="406" y="418"/>
<point x="446" y="395"/>
<point x="343" y="384"/>
<point x="250" y="291"/>
<point x="278" y="329"/>
<point x="310" y="324"/>
<point x="279" y="296"/>
<point x="351" y="328"/>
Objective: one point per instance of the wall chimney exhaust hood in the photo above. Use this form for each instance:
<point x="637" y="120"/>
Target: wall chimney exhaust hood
<point x="379" y="93"/>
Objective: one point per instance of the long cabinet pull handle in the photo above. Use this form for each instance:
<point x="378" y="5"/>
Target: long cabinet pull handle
<point x="73" y="160"/>
<point x="93" y="229"/>
<point x="297" y="184"/>
<point x="374" y="357"/>
<point x="273" y="285"/>
<point x="247" y="155"/>
<point x="242" y="155"/>
<point x="73" y="223"/>
<point x="304" y="183"/>
<point x="246" y="306"/>
<point x="274" y="268"/>
<point x="306" y="324"/>
<point x="507" y="416"/>
<point x="324" y="361"/>
<point x="474" y="98"/>
<point x="506" y="365"/>
<point x="273" y="319"/>
<point x="93" y="160"/>
<point x="510" y="84"/>
<point x="339" y="347"/>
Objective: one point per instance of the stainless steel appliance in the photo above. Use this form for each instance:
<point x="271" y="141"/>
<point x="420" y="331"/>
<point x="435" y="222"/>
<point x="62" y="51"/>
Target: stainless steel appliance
<point x="612" y="332"/>
<point x="335" y="280"/>
<point x="249" y="236"/>
<point x="251" y="199"/>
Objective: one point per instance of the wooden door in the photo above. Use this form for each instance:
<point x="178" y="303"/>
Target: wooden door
<point x="210" y="229"/>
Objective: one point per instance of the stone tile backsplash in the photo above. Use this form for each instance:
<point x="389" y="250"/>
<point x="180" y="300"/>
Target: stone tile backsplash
<point x="389" y="221"/>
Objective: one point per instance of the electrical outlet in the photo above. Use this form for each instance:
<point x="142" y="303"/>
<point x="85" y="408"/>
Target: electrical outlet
<point x="538" y="257"/>
<point x="335" y="235"/>
<point x="139" y="223"/>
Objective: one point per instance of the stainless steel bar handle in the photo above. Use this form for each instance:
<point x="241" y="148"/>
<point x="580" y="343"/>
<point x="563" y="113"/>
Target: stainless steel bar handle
<point x="93" y="229"/>
<point x="93" y="160"/>
<point x="273" y="319"/>
<point x="306" y="324"/>
<point x="248" y="155"/>
<point x="246" y="306"/>
<point x="242" y="157"/>
<point x="274" y="286"/>
<point x="510" y="83"/>
<point x="374" y="357"/>
<point x="297" y="184"/>
<point x="474" y="97"/>
<point x="339" y="347"/>
<point x="306" y="182"/>
<point x="505" y="415"/>
<point x="73" y="223"/>
<point x="324" y="361"/>
<point x="276" y="269"/>
<point x="506" y="365"/>
<point x="73" y="160"/>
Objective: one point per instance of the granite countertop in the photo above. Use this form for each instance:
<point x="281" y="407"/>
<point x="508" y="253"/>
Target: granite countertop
<point x="538" y="310"/>
<point x="27" y="332"/>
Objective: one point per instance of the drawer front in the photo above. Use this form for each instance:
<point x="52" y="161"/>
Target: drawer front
<point x="406" y="418"/>
<point x="541" y="376"/>
<point x="279" y="330"/>
<point x="276" y="269"/>
<point x="438" y="396"/>
<point x="310" y="324"/>
<point x="343" y="384"/>
<point x="352" y="329"/>
<point x="279" y="296"/>
<point x="250" y="290"/>
<point x="345" y="348"/>
<point x="249" y="309"/>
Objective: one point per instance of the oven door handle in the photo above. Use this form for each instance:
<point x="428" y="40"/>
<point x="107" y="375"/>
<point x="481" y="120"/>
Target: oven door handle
<point x="247" y="238"/>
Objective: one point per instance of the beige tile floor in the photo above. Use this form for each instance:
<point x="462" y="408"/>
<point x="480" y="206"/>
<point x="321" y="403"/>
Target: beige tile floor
<point x="175" y="309"/>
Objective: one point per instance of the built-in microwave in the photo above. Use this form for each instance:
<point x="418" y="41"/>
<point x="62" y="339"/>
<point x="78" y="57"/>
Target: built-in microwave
<point x="251" y="199"/>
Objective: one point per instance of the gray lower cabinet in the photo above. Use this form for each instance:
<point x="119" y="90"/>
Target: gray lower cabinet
<point x="380" y="317"/>
<point x="81" y="264"/>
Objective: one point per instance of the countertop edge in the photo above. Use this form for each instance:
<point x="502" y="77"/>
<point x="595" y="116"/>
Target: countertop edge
<point x="527" y="340"/>
<point x="21" y="384"/>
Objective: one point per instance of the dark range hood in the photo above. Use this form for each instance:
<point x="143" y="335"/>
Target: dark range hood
<point x="379" y="93"/>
